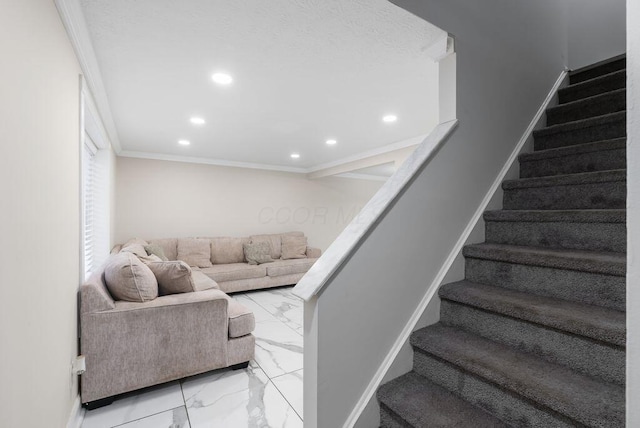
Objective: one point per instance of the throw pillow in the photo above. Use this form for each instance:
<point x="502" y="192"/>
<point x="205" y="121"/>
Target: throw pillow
<point x="294" y="247"/>
<point x="195" y="252"/>
<point x="173" y="277"/>
<point x="127" y="278"/>
<point x="257" y="253"/>
<point x="156" y="250"/>
<point x="273" y="241"/>
<point x="227" y="250"/>
<point x="135" y="246"/>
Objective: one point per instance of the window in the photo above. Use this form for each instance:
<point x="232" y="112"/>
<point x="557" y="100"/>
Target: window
<point x="95" y="190"/>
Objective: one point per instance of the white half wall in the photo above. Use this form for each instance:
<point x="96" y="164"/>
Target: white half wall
<point x="633" y="213"/>
<point x="156" y="199"/>
<point x="506" y="64"/>
<point x="40" y="216"/>
<point x="596" y="30"/>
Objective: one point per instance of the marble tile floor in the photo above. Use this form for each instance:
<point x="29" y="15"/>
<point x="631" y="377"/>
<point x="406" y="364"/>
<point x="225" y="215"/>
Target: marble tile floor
<point x="266" y="394"/>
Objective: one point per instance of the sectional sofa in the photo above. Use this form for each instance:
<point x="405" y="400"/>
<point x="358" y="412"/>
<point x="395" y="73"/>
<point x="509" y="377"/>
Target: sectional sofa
<point x="146" y="321"/>
<point x="227" y="265"/>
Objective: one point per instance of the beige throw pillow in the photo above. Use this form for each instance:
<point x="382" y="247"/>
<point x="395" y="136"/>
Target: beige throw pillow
<point x="173" y="277"/>
<point x="135" y="246"/>
<point x="257" y="253"/>
<point x="227" y="250"/>
<point x="129" y="279"/>
<point x="294" y="247"/>
<point x="195" y="252"/>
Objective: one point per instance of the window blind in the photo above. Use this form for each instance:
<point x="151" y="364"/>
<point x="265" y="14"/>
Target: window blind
<point x="89" y="180"/>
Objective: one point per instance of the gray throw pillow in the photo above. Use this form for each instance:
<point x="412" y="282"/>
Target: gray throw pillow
<point x="257" y="253"/>
<point x="173" y="277"/>
<point x="129" y="279"/>
<point x="155" y="250"/>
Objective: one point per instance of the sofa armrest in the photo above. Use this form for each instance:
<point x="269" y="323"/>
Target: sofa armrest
<point x="313" y="253"/>
<point x="136" y="345"/>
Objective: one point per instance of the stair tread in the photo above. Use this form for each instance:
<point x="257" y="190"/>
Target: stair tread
<point x="558" y="216"/>
<point x="595" y="322"/>
<point x="422" y="403"/>
<point x="585" y="261"/>
<point x="579" y="397"/>
<point x="587" y="100"/>
<point x="600" y="68"/>
<point x="614" y="144"/>
<point x="593" y="80"/>
<point x="581" y="124"/>
<point x="567" y="179"/>
<point x="615" y="79"/>
<point x="588" y="107"/>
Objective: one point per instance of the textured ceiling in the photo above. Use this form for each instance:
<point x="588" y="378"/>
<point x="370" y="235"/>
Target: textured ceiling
<point x="304" y="71"/>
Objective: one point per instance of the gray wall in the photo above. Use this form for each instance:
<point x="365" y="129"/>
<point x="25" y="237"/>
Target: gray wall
<point x="596" y="30"/>
<point x="506" y="64"/>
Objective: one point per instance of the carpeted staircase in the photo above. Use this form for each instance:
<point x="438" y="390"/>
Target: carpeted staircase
<point x="535" y="334"/>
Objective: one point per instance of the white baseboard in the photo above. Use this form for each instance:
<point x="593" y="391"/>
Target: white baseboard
<point x="77" y="414"/>
<point x="457" y="249"/>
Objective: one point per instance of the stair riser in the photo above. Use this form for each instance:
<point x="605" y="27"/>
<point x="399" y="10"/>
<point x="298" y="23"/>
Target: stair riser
<point x="608" y="84"/>
<point x="592" y="288"/>
<point x="510" y="408"/>
<point x="587" y="356"/>
<point x="597" y="71"/>
<point x="608" y="131"/>
<point x="577" y="236"/>
<point x="389" y="419"/>
<point x="606" y="195"/>
<point x="604" y="104"/>
<point x="584" y="162"/>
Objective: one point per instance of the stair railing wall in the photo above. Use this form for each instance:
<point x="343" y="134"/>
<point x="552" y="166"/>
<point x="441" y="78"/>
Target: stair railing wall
<point x="363" y="294"/>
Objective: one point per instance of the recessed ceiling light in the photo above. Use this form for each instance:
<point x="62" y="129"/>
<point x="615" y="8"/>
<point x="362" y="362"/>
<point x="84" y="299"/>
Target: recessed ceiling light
<point x="295" y="156"/>
<point x="331" y="142"/>
<point x="197" y="121"/>
<point x="222" y="78"/>
<point x="184" y="142"/>
<point x="390" y="118"/>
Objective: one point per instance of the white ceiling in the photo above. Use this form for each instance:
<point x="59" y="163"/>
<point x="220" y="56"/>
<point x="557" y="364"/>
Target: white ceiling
<point x="304" y="71"/>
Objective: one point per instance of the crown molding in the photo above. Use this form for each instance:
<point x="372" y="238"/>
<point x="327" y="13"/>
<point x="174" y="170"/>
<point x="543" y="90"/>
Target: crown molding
<point x="356" y="176"/>
<point x="413" y="141"/>
<point x="208" y="161"/>
<point x="73" y="19"/>
<point x="298" y="170"/>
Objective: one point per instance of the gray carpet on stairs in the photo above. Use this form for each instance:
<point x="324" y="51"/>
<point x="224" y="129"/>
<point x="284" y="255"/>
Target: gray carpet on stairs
<point x="590" y="157"/>
<point x="598" y="85"/>
<point x="535" y="334"/>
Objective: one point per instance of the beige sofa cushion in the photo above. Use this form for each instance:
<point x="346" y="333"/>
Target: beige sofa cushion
<point x="127" y="278"/>
<point x="173" y="277"/>
<point x="275" y="240"/>
<point x="288" y="267"/>
<point x="202" y="282"/>
<point x="241" y="319"/>
<point x="227" y="250"/>
<point x="195" y="252"/>
<point x="294" y="247"/>
<point x="169" y="247"/>
<point x="235" y="271"/>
